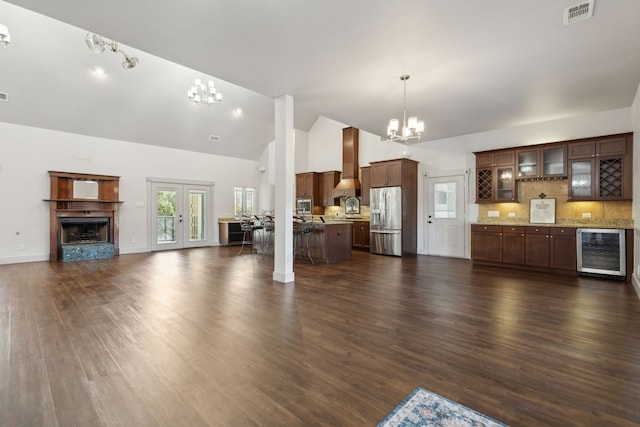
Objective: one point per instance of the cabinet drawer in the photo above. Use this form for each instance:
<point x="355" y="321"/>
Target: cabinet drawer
<point x="536" y="230"/>
<point x="562" y="231"/>
<point x="513" y="229"/>
<point x="486" y="228"/>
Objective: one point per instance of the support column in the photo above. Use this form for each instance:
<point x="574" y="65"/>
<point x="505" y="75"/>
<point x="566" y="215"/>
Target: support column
<point x="285" y="176"/>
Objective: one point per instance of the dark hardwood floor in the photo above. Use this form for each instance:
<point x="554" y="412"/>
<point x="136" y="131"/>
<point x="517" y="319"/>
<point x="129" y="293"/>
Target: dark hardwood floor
<point x="205" y="337"/>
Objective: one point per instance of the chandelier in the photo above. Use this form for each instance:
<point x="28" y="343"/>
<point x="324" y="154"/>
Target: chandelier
<point x="98" y="44"/>
<point x="202" y="93"/>
<point x="5" y="37"/>
<point x="412" y="128"/>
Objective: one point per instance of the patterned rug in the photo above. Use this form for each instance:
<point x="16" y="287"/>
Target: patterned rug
<point x="424" y="408"/>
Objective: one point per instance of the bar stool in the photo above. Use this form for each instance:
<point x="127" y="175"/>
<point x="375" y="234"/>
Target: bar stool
<point x="301" y="233"/>
<point x="269" y="224"/>
<point x="249" y="232"/>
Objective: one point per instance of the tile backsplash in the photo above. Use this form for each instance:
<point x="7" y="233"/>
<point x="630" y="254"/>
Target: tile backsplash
<point x="613" y="213"/>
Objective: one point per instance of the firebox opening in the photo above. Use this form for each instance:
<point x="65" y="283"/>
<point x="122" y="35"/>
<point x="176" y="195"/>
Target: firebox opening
<point x="84" y="230"/>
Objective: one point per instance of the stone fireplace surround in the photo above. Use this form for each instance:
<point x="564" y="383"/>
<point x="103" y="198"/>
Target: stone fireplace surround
<point x="82" y="226"/>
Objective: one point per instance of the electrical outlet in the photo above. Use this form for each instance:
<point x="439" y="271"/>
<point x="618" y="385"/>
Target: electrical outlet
<point x="494" y="214"/>
<point x="586" y="214"/>
<point x="512" y="214"/>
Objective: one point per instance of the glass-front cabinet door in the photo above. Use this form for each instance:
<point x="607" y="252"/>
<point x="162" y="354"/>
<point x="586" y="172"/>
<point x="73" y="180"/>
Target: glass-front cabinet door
<point x="527" y="164"/>
<point x="542" y="162"/>
<point x="581" y="185"/>
<point x="505" y="186"/>
<point x="554" y="162"/>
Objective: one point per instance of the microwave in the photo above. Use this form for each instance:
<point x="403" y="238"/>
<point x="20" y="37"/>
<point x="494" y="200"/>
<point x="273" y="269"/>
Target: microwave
<point x="303" y="206"/>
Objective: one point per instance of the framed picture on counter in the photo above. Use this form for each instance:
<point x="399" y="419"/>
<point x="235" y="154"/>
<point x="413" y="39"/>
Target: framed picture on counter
<point x="352" y="205"/>
<point x="542" y="211"/>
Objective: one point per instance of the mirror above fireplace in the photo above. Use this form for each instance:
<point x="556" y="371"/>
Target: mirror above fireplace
<point x="85" y="189"/>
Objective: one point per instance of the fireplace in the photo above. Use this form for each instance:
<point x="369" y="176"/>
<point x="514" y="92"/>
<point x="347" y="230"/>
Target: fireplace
<point x="83" y="216"/>
<point x="74" y="231"/>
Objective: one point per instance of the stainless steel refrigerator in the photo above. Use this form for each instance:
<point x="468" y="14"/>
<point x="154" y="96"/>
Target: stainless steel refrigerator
<point x="386" y="221"/>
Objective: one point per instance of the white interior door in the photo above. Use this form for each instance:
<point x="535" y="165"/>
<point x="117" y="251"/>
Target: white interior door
<point x="179" y="216"/>
<point x="445" y="216"/>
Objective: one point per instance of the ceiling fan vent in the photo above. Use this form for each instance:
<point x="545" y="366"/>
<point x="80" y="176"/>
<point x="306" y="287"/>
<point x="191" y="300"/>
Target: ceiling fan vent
<point x="578" y="12"/>
<point x="4" y="96"/>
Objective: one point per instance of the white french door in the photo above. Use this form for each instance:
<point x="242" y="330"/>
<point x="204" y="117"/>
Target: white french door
<point x="180" y="215"/>
<point x="446" y="216"/>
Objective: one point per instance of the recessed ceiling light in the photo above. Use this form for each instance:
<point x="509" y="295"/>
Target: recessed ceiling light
<point x="237" y="112"/>
<point x="99" y="71"/>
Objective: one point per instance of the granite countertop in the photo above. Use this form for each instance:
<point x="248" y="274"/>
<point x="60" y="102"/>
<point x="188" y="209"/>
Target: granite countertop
<point x="571" y="222"/>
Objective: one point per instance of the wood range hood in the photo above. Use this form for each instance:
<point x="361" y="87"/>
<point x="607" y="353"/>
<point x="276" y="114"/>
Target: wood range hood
<point x="349" y="185"/>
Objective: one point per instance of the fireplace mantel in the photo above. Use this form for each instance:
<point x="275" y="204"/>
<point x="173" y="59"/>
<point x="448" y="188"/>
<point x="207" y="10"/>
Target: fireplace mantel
<point x="63" y="203"/>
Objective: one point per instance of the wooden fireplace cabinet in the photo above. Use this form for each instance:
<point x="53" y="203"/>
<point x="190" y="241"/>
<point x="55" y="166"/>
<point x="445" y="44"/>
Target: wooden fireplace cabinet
<point x="63" y="204"/>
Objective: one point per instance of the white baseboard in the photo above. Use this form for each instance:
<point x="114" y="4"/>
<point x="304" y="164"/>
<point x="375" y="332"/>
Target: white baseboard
<point x="635" y="280"/>
<point x="23" y="259"/>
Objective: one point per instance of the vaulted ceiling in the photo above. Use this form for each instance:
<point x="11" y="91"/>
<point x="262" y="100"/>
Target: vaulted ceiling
<point x="474" y="66"/>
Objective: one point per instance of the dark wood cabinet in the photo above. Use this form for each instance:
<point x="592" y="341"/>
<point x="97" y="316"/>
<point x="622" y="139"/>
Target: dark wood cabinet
<point x="328" y="181"/>
<point x="527" y="247"/>
<point x="598" y="168"/>
<point x="307" y="185"/>
<point x="495" y="158"/>
<point x="542" y="162"/>
<point x="513" y="244"/>
<point x="486" y="243"/>
<point x="331" y="243"/>
<point x="495" y="173"/>
<point x="365" y="185"/>
<point x="403" y="173"/>
<point x="536" y="246"/>
<point x="360" y="235"/>
<point x="562" y="248"/>
<point x="601" y="168"/>
<point x="387" y="174"/>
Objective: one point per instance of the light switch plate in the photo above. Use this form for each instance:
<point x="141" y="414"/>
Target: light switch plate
<point x="494" y="214"/>
<point x="512" y="214"/>
<point x="586" y="214"/>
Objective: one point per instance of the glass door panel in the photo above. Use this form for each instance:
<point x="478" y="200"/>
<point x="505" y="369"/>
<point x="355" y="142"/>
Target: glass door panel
<point x="553" y="161"/>
<point x="179" y="216"/>
<point x="505" y="184"/>
<point x="581" y="179"/>
<point x="527" y="164"/>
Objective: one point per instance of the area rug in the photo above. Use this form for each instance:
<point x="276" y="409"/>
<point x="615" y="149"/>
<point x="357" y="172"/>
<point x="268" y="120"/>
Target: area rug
<point x="424" y="408"/>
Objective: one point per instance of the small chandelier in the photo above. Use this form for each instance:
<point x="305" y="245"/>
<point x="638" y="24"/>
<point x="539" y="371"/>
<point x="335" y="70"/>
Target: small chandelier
<point x="5" y="37"/>
<point x="98" y="44"/>
<point x="412" y="128"/>
<point x="202" y="93"/>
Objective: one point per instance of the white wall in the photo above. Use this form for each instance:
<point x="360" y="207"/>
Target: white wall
<point x="635" y="113"/>
<point x="27" y="154"/>
<point x="325" y="153"/>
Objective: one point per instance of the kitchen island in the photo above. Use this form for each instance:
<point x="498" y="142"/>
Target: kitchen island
<point x="330" y="242"/>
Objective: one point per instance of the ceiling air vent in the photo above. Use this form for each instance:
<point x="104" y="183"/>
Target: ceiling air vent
<point x="4" y="96"/>
<point x="214" y="138"/>
<point x="578" y="12"/>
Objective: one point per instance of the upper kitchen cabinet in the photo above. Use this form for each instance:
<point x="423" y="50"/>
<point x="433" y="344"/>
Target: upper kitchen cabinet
<point x="542" y="162"/>
<point x="495" y="172"/>
<point x="391" y="173"/>
<point x="328" y="181"/>
<point x="307" y="186"/>
<point x="365" y="185"/>
<point x="601" y="168"/>
<point x="495" y="158"/>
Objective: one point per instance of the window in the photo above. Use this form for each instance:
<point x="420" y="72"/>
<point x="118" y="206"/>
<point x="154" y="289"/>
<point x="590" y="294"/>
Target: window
<point x="244" y="200"/>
